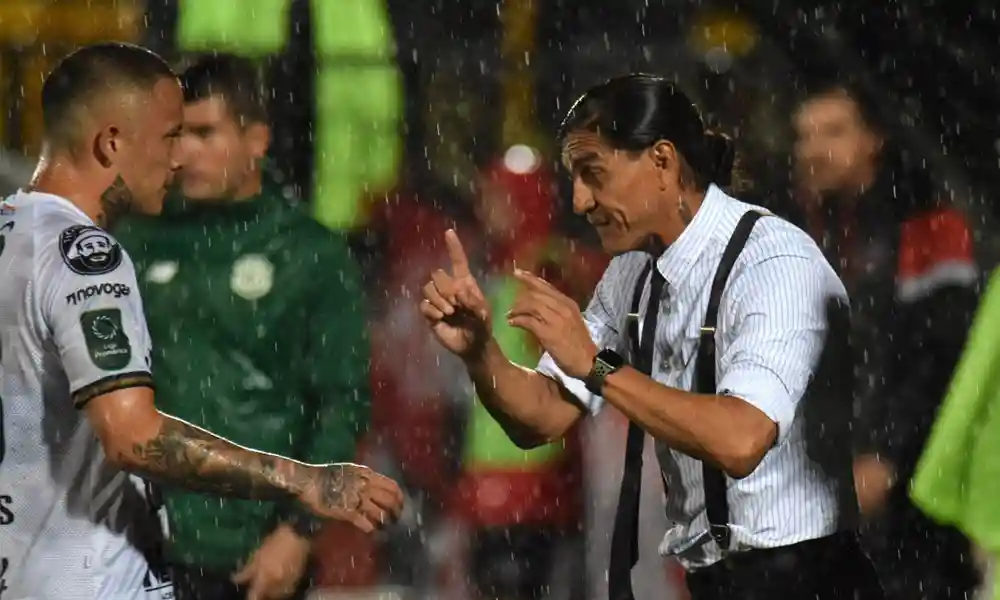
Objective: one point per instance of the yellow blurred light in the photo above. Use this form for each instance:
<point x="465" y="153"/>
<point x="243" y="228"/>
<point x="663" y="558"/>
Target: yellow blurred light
<point x="732" y="33"/>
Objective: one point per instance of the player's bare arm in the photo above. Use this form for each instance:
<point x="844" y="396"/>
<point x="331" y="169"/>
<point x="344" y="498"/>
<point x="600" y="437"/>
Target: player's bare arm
<point x="142" y="440"/>
<point x="98" y="325"/>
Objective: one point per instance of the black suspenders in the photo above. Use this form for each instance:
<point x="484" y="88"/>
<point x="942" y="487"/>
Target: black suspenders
<point x="716" y="505"/>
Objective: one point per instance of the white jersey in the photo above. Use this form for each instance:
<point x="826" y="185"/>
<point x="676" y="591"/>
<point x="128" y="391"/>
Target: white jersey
<point x="71" y="328"/>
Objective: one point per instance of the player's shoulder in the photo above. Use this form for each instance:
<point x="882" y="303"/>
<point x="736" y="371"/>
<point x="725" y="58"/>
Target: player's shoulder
<point x="68" y="240"/>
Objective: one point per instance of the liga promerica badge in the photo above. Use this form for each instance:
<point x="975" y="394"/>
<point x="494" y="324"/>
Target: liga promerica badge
<point x="109" y="347"/>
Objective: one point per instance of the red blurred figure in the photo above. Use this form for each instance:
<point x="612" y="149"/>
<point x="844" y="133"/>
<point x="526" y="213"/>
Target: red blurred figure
<point x="520" y="508"/>
<point x="517" y="516"/>
<point x="410" y="412"/>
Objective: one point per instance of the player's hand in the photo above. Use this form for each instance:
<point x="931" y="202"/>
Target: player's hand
<point x="873" y="480"/>
<point x="277" y="567"/>
<point x="556" y="322"/>
<point x="454" y="306"/>
<point x="352" y="493"/>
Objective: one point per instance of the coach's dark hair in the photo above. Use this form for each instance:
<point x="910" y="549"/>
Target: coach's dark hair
<point x="80" y="78"/>
<point x="235" y="79"/>
<point x="635" y="111"/>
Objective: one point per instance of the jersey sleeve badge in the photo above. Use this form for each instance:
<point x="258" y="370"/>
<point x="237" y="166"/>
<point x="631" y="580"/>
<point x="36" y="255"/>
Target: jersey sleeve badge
<point x="89" y="250"/>
<point x="107" y="342"/>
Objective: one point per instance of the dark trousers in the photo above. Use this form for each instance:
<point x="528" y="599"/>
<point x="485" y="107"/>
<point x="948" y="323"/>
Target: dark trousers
<point x="520" y="563"/>
<point x="830" y="568"/>
<point x="917" y="558"/>
<point x="192" y="583"/>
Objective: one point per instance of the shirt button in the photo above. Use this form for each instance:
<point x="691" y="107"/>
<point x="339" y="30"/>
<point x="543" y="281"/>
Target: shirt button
<point x="666" y="360"/>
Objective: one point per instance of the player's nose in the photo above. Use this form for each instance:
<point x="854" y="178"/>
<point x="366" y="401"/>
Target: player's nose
<point x="176" y="156"/>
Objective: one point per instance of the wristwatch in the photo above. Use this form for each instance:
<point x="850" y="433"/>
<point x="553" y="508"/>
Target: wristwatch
<point x="606" y="362"/>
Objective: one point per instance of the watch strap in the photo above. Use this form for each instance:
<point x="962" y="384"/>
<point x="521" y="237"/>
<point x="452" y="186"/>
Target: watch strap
<point x="600" y="371"/>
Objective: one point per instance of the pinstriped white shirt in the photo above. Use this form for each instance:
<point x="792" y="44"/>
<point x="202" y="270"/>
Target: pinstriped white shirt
<point x="770" y="333"/>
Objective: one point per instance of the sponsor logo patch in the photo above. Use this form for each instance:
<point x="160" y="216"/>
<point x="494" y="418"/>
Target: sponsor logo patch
<point x="114" y="290"/>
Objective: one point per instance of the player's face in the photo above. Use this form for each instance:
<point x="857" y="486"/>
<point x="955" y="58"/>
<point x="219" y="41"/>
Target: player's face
<point x="147" y="166"/>
<point x="619" y="192"/>
<point x="833" y="144"/>
<point x="217" y="152"/>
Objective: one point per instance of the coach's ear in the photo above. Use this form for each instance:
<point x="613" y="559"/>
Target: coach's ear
<point x="106" y="146"/>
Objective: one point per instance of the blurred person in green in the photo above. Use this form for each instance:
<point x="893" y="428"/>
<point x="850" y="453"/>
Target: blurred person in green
<point x="257" y="317"/>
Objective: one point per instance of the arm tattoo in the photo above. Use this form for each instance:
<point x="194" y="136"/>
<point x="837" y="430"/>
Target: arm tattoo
<point x="184" y="455"/>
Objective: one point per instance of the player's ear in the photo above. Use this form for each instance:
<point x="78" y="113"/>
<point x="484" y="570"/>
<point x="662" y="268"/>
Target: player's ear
<point x="107" y="145"/>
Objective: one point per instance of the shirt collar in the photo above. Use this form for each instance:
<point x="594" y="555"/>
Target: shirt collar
<point x="31" y="194"/>
<point x="677" y="260"/>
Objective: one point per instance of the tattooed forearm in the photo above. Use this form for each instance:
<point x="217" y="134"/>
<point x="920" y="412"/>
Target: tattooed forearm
<point x="187" y="456"/>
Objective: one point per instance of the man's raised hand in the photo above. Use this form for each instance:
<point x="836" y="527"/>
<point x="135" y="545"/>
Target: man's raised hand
<point x="454" y="306"/>
<point x="555" y="320"/>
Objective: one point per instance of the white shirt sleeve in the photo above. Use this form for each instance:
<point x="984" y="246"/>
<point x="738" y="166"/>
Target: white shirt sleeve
<point x="600" y="323"/>
<point x="779" y="331"/>
<point x="86" y="289"/>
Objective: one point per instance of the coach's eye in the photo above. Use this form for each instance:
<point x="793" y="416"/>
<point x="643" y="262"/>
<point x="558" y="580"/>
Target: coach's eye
<point x="591" y="174"/>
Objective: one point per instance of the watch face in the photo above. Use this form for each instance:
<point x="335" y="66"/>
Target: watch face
<point x="611" y="358"/>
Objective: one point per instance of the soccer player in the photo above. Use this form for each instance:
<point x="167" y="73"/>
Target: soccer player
<point x="79" y="426"/>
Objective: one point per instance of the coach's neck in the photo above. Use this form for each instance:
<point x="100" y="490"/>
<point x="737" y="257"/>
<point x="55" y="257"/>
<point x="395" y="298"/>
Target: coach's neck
<point x="677" y="211"/>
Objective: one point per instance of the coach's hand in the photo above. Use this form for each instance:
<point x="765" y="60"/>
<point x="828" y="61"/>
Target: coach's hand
<point x="454" y="306"/>
<point x="556" y="322"/>
<point x="352" y="493"/>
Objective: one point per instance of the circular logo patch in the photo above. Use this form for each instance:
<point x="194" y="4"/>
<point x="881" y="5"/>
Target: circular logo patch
<point x="252" y="277"/>
<point x="89" y="250"/>
<point x="104" y="328"/>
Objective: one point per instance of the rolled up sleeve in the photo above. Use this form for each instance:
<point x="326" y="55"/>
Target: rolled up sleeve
<point x="576" y="387"/>
<point x="779" y="326"/>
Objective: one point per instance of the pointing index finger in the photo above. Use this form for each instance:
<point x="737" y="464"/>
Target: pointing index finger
<point x="459" y="262"/>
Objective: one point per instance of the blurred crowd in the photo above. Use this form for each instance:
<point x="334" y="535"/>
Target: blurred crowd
<point x="392" y="121"/>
